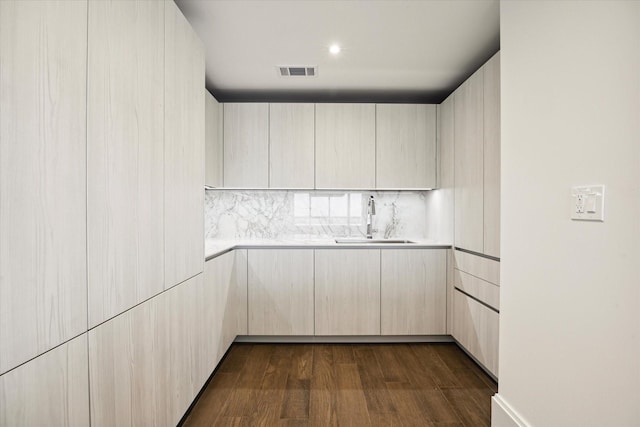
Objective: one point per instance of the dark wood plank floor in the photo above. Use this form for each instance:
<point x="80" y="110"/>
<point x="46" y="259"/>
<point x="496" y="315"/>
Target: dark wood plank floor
<point x="345" y="384"/>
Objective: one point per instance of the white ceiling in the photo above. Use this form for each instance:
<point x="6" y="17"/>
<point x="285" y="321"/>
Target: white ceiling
<point x="393" y="50"/>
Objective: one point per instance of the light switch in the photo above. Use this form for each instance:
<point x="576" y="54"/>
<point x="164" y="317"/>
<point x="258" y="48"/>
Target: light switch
<point x="591" y="203"/>
<point x="587" y="203"/>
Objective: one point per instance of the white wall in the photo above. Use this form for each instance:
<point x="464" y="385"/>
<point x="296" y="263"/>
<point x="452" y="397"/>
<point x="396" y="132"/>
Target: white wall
<point x="570" y="302"/>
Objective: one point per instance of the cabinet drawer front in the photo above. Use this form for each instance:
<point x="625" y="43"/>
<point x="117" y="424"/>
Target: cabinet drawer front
<point x="476" y="329"/>
<point x="486" y="292"/>
<point x="484" y="268"/>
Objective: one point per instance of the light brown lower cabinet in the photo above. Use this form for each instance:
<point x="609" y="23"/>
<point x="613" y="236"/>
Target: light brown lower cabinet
<point x="347" y="293"/>
<point x="147" y="365"/>
<point x="225" y="280"/>
<point x="414" y="291"/>
<point x="128" y="367"/>
<point x="281" y="291"/>
<point x="50" y="390"/>
<point x="475" y="327"/>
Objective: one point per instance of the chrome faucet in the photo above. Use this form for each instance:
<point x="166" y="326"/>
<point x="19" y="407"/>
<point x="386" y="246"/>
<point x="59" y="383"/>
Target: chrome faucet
<point x="371" y="211"/>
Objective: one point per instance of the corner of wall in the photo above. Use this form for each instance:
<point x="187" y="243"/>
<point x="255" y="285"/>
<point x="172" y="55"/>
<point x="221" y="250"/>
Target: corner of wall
<point x="502" y="415"/>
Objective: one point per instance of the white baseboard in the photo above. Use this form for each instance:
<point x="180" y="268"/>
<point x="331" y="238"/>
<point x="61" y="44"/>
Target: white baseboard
<point x="503" y="415"/>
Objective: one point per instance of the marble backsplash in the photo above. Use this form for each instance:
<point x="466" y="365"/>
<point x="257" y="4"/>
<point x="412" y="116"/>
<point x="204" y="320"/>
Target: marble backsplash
<point x="312" y="214"/>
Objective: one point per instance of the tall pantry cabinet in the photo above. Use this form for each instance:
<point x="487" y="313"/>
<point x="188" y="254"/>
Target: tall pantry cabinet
<point x="145" y="153"/>
<point x="101" y="201"/>
<point x="491" y="161"/>
<point x="474" y="295"/>
<point x="477" y="161"/>
<point x="43" y="264"/>
<point x="468" y="157"/>
<point x="184" y="114"/>
<point x="125" y="116"/>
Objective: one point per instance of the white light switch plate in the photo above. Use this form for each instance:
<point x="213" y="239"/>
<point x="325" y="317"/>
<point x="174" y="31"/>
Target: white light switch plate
<point x="587" y="203"/>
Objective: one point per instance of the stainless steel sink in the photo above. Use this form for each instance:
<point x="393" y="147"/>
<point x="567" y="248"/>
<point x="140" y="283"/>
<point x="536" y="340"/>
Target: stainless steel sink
<point x="372" y="241"/>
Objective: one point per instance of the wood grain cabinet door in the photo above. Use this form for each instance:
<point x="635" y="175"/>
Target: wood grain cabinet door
<point x="148" y="364"/>
<point x="347" y="294"/>
<point x="43" y="222"/>
<point x="291" y="145"/>
<point x="468" y="155"/>
<point x="492" y="156"/>
<point x="125" y="155"/>
<point x="129" y="363"/>
<point x="50" y="390"/>
<point x="226" y="291"/>
<point x="405" y="146"/>
<point x="183" y="149"/>
<point x="214" y="151"/>
<point x="345" y="146"/>
<point x="413" y="291"/>
<point x="246" y="145"/>
<point x="280" y="291"/>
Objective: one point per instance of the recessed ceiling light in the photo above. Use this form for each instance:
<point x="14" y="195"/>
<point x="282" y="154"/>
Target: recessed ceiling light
<point x="334" y="49"/>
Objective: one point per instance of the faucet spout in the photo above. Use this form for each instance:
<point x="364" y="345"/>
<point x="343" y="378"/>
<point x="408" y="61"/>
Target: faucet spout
<point x="371" y="211"/>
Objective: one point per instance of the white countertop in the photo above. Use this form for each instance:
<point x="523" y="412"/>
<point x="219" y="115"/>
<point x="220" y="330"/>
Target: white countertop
<point x="214" y="247"/>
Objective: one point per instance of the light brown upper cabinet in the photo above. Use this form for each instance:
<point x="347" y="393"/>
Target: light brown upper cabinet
<point x="440" y="213"/>
<point x="43" y="222"/>
<point x="183" y="149"/>
<point x="477" y="160"/>
<point x="246" y="145"/>
<point x="291" y="143"/>
<point x="405" y="146"/>
<point x="125" y="155"/>
<point x="468" y="155"/>
<point x="345" y="146"/>
<point x="214" y="152"/>
<point x="492" y="156"/>
<point x="328" y="146"/>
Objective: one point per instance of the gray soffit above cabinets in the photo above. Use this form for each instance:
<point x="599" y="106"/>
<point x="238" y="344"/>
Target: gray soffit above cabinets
<point x="392" y="50"/>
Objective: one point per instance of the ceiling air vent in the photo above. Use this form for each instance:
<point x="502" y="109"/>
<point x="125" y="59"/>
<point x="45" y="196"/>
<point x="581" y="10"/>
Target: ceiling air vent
<point x="298" y="71"/>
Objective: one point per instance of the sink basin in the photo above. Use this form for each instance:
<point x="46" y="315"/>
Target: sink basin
<point x="372" y="241"/>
